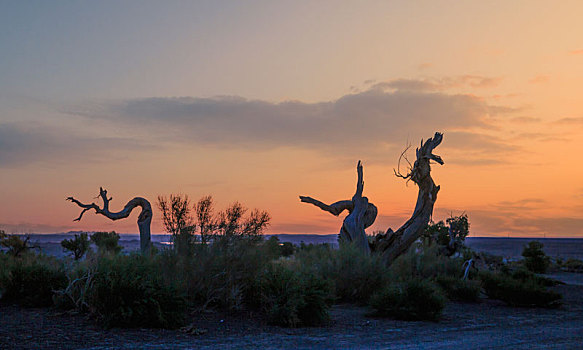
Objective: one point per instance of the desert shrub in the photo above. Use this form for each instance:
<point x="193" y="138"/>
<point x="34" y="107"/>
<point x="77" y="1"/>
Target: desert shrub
<point x="535" y="258"/>
<point x="30" y="280"/>
<point x="458" y="289"/>
<point x="517" y="292"/>
<point x="355" y="276"/>
<point x="106" y="242"/>
<point x="130" y="291"/>
<point x="411" y="300"/>
<point x="573" y="265"/>
<point x="526" y="275"/>
<point x="291" y="299"/>
<point x="424" y="262"/>
<point x="449" y="235"/>
<point x="16" y="244"/>
<point x="77" y="245"/>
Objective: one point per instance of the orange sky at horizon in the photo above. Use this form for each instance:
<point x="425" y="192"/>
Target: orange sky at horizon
<point x="265" y="102"/>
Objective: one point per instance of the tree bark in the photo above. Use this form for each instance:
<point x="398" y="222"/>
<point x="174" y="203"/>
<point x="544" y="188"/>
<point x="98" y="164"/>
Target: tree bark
<point x="393" y="244"/>
<point x="361" y="214"/>
<point x="144" y="219"/>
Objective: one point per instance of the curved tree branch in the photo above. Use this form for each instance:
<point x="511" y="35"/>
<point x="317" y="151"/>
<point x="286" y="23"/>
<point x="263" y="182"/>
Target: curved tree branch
<point x="393" y="244"/>
<point x="144" y="219"/>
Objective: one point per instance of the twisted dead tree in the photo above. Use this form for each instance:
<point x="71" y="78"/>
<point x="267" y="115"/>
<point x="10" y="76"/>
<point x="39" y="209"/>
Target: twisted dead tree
<point x="361" y="214"/>
<point x="394" y="243"/>
<point x="144" y="219"/>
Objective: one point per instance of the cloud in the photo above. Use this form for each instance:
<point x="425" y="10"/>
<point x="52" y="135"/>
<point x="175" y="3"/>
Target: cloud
<point x="540" y="79"/>
<point x="22" y="143"/>
<point x="366" y="123"/>
<point x="576" y="52"/>
<point x="439" y="84"/>
<point x="27" y="227"/>
<point x="570" y="121"/>
<point x="525" y="120"/>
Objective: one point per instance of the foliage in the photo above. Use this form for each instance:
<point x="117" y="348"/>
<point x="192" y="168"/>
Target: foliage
<point x="573" y="265"/>
<point x="17" y="245"/>
<point x="458" y="289"/>
<point x="30" y="279"/>
<point x="130" y="291"/>
<point x="77" y="245"/>
<point x="355" y="276"/>
<point x="449" y="235"/>
<point x="411" y="300"/>
<point x="106" y="242"/>
<point x="178" y="220"/>
<point x="292" y="299"/>
<point x="231" y="222"/>
<point x="422" y="262"/>
<point x="518" y="292"/>
<point x="535" y="258"/>
<point x="205" y="219"/>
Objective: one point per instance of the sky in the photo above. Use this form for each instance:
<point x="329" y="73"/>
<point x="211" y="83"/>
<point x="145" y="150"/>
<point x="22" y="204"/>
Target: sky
<point x="263" y="101"/>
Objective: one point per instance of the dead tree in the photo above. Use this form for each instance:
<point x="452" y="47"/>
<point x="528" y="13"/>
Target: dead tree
<point x="361" y="214"/>
<point x="392" y="244"/>
<point x="144" y="219"/>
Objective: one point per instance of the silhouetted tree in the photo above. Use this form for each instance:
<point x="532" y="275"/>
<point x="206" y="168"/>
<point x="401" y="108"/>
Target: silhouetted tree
<point x="77" y="245"/>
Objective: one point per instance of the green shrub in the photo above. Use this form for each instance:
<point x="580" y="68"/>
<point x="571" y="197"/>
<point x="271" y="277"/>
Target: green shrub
<point x="517" y="292"/>
<point x="31" y="279"/>
<point x="292" y="299"/>
<point x="535" y="258"/>
<point x="526" y="276"/>
<point x="424" y="263"/>
<point x="130" y="291"/>
<point x="77" y="245"/>
<point x="16" y="244"/>
<point x="106" y="242"/>
<point x="458" y="289"/>
<point x="573" y="265"/>
<point x="412" y="300"/>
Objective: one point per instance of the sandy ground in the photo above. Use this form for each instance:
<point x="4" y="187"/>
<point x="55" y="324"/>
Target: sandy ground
<point x="487" y="325"/>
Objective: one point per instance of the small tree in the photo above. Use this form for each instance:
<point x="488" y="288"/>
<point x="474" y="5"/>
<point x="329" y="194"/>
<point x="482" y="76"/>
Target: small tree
<point x="178" y="221"/>
<point x="231" y="222"/>
<point x="77" y="245"/>
<point x="535" y="258"/>
<point x="451" y="234"/>
<point x="16" y="244"/>
<point x="205" y="220"/>
<point x="106" y="242"/>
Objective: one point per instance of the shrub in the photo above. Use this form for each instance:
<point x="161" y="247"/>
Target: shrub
<point x="573" y="265"/>
<point x="355" y="276"/>
<point x="77" y="245"/>
<point x="517" y="292"/>
<point x="535" y="258"/>
<point x="526" y="276"/>
<point x="16" y="244"/>
<point x="412" y="300"/>
<point x="106" y="242"/>
<point x="30" y="280"/>
<point x="459" y="289"/>
<point x="292" y="299"/>
<point x="130" y="291"/>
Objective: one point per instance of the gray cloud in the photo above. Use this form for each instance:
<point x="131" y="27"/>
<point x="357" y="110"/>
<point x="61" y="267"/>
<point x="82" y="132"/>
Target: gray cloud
<point x="439" y="84"/>
<point x="368" y="123"/>
<point x="570" y="121"/>
<point x="26" y="142"/>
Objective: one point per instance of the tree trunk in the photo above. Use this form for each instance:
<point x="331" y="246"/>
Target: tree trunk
<point x="144" y="219"/>
<point x="361" y="214"/>
<point x="393" y="244"/>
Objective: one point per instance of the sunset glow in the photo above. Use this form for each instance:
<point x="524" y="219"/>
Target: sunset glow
<point x="260" y="102"/>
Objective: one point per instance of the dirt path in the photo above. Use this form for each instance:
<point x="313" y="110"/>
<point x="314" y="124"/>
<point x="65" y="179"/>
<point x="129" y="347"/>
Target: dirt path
<point x="464" y="326"/>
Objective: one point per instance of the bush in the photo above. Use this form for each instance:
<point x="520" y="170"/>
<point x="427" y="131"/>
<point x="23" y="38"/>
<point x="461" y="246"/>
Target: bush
<point x="573" y="265"/>
<point x="355" y="276"/>
<point x="459" y="289"/>
<point x="106" y="242"/>
<point x="130" y="291"/>
<point x="77" y="245"/>
<point x="535" y="258"/>
<point x="292" y="299"/>
<point x="31" y="279"/>
<point x="518" y="292"/>
<point x="412" y="300"/>
<point x="17" y="245"/>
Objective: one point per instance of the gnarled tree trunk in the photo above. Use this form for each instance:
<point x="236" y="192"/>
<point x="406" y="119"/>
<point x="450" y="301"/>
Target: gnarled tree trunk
<point x="361" y="214"/>
<point x="392" y="244"/>
<point x="144" y="220"/>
